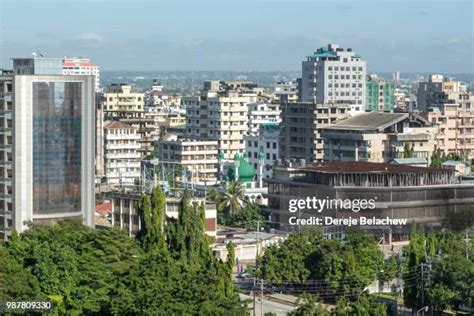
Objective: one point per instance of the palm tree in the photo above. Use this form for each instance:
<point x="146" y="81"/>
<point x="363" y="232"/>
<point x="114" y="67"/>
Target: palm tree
<point x="234" y="199"/>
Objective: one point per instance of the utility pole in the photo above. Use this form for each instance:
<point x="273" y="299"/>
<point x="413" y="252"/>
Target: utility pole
<point x="422" y="285"/>
<point x="261" y="297"/>
<point x="466" y="239"/>
<point x="254" y="295"/>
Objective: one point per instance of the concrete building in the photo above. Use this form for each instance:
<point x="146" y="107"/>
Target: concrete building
<point x="300" y="128"/>
<point x="262" y="113"/>
<point x="456" y="128"/>
<point x="121" y="153"/>
<point x="47" y="148"/>
<point x="193" y="160"/>
<point x="125" y="212"/>
<point x="121" y="98"/>
<point x="334" y="75"/>
<point x="221" y="113"/>
<point x="420" y="195"/>
<point x="380" y="95"/>
<point x="437" y="90"/>
<point x="378" y="137"/>
<point x="286" y="92"/>
<point x="82" y="66"/>
<point x="37" y="65"/>
<point x="264" y="145"/>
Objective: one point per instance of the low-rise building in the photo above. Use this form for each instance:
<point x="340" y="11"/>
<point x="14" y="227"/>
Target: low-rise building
<point x="125" y="211"/>
<point x="420" y="195"/>
<point x="121" y="153"/>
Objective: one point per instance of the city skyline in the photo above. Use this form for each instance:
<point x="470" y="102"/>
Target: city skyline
<point x="239" y="37"/>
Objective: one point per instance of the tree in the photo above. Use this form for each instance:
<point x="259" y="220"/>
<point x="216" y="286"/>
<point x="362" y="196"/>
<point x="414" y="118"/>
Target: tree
<point x="341" y="268"/>
<point x="436" y="159"/>
<point x="246" y="218"/>
<point x="408" y="151"/>
<point x="16" y="283"/>
<point x="234" y="199"/>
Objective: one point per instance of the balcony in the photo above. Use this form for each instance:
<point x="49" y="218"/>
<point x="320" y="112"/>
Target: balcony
<point x="122" y="136"/>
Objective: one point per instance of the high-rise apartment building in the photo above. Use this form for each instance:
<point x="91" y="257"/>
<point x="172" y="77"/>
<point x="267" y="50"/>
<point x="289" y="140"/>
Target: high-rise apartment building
<point x="301" y="125"/>
<point x="221" y="113"/>
<point x="121" y="153"/>
<point x="47" y="148"/>
<point x="333" y="75"/>
<point x="82" y="66"/>
<point x="380" y="95"/>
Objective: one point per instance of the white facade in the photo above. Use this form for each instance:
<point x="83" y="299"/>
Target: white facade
<point x="49" y="150"/>
<point x="82" y="66"/>
<point x="121" y="153"/>
<point x="264" y="143"/>
<point x="221" y="113"/>
<point x="260" y="113"/>
<point x="333" y="75"/>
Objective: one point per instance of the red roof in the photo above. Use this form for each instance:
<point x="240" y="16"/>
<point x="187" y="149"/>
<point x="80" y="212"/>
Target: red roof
<point x="78" y="63"/>
<point x="118" y="125"/>
<point x="104" y="208"/>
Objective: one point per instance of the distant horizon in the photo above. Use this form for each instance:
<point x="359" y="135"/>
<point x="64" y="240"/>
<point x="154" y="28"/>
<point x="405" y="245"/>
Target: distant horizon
<point x="417" y="36"/>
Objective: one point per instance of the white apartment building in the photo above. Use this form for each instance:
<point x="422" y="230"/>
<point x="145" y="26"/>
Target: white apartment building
<point x="260" y="113"/>
<point x="221" y="113"/>
<point x="334" y="75"/>
<point x="121" y="153"/>
<point x="82" y="66"/>
<point x="264" y="145"/>
<point x="193" y="160"/>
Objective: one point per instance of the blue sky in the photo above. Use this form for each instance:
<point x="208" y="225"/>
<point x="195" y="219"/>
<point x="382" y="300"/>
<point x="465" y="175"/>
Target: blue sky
<point x="262" y="35"/>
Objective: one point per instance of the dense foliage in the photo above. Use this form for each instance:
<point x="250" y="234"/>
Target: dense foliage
<point x="330" y="268"/>
<point x="105" y="272"/>
<point x="246" y="218"/>
<point x="439" y="271"/>
<point x="362" y="306"/>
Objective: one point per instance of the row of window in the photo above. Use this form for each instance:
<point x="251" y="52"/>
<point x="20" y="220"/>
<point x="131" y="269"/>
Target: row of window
<point x="342" y="68"/>
<point x="344" y="85"/>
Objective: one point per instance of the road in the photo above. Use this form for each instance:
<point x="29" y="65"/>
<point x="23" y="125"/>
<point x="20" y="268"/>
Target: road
<point x="267" y="306"/>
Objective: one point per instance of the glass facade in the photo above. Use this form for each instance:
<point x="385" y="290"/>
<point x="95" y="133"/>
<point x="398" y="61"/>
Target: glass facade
<point x="56" y="147"/>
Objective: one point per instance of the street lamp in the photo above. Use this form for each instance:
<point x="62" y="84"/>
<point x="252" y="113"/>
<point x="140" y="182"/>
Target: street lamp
<point x="423" y="309"/>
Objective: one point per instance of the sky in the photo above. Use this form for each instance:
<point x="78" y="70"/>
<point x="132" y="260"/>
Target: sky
<point x="258" y="35"/>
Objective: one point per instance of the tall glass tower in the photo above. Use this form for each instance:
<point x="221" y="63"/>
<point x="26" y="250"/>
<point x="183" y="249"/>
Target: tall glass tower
<point x="52" y="149"/>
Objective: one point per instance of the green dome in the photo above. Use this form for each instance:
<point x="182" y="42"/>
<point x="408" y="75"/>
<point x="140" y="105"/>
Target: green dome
<point x="246" y="172"/>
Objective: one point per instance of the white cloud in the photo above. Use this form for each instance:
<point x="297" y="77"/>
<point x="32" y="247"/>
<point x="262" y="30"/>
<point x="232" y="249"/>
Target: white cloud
<point x="90" y="37"/>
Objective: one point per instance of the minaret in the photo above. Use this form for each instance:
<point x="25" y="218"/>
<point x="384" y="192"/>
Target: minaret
<point x="220" y="159"/>
<point x="236" y="164"/>
<point x="260" y="169"/>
